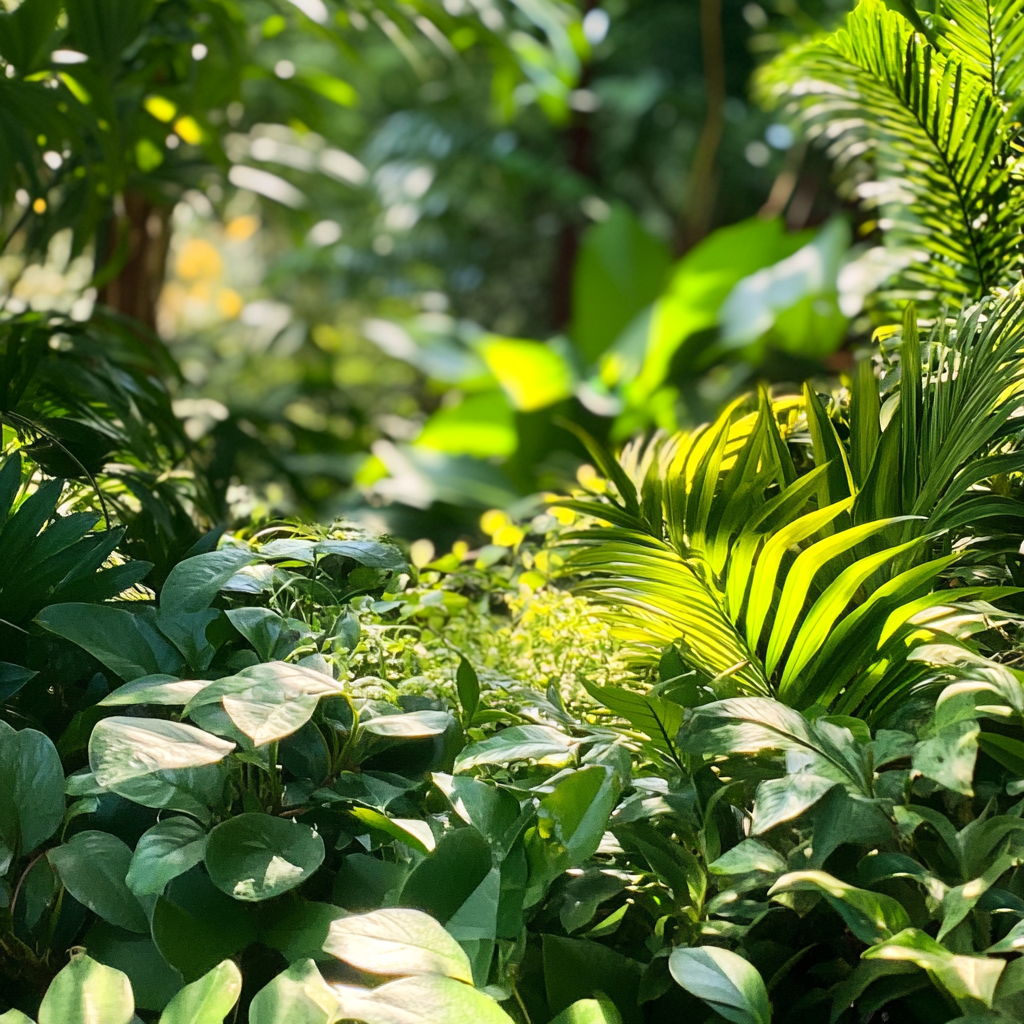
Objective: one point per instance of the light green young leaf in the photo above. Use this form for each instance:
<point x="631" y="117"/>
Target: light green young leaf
<point x="430" y="999"/>
<point x="967" y="979"/>
<point x="157" y="689"/>
<point x="208" y="1000"/>
<point x="15" y="1017"/>
<point x="86" y="992"/>
<point x="402" y="942"/>
<point x="519" y="743"/>
<point x="589" y="1011"/>
<point x="298" y="995"/>
<point x="872" y="917"/>
<point x="730" y="985"/>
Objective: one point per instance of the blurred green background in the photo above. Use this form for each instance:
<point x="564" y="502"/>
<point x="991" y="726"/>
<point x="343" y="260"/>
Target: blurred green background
<point x="380" y="252"/>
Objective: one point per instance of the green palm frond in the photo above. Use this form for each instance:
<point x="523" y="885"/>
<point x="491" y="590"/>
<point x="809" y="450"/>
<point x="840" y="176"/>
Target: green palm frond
<point x="988" y="36"/>
<point x="919" y="136"/>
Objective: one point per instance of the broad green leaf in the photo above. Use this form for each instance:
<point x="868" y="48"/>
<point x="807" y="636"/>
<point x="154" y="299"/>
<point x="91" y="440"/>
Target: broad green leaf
<point x="431" y="999"/>
<point x="159" y="689"/>
<point x="123" y="749"/>
<point x="477" y="918"/>
<point x="15" y="1017"/>
<point x="255" y="856"/>
<point x="724" y="980"/>
<point x="533" y="374"/>
<point x="402" y="942"/>
<point x="442" y="882"/>
<point x="92" y="867"/>
<point x="266" y="713"/>
<point x="31" y="789"/>
<point x="967" y="979"/>
<point x="86" y="992"/>
<point x="779" y="800"/>
<point x="193" y="583"/>
<point x="208" y="1000"/>
<point x="110" y="634"/>
<point x="747" y="856"/>
<point x="489" y="809"/>
<point x="518" y="743"/>
<point x="658" y="718"/>
<point x="960" y="901"/>
<point x="12" y="679"/>
<point x="575" y="813"/>
<point x="170" y="848"/>
<point x="948" y="758"/>
<point x="413" y="832"/>
<point x="371" y="553"/>
<point x="298" y="995"/>
<point x="589" y="1011"/>
<point x="300" y="931"/>
<point x="153" y="980"/>
<point x="263" y="628"/>
<point x="408" y="726"/>
<point x="871" y="916"/>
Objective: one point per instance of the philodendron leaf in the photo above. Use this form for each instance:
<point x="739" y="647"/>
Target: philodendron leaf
<point x="193" y="583"/>
<point x="31" y="789"/>
<point x="208" y="1000"/>
<point x="968" y="979"/>
<point x="15" y="1017"/>
<point x="12" y="679"/>
<point x="413" y="725"/>
<point x="255" y="856"/>
<point x="431" y="999"/>
<point x="170" y="848"/>
<point x="576" y="811"/>
<point x="519" y="743"/>
<point x="92" y="867"/>
<point x="871" y="916"/>
<point x="730" y="985"/>
<point x="402" y="942"/>
<point x="948" y="757"/>
<point x="86" y="992"/>
<point x="779" y="800"/>
<point x="299" y="995"/>
<point x="748" y="856"/>
<point x="123" y="749"/>
<point x="589" y="1011"/>
<point x="159" y="689"/>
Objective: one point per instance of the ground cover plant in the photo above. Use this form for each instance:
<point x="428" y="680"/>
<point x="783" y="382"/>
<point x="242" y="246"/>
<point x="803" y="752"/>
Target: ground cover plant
<point x="729" y="728"/>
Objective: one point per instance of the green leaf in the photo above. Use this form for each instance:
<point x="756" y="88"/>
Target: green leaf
<point x="747" y="856"/>
<point x="518" y="743"/>
<point x="468" y="686"/>
<point x="967" y="979"/>
<point x="724" y="980"/>
<point x="158" y="763"/>
<point x="298" y="995"/>
<point x="255" y="856"/>
<point x="413" y="832"/>
<point x="170" y="848"/>
<point x="13" y="678"/>
<point x="159" y="689"/>
<point x="15" y="1017"/>
<point x="86" y="992"/>
<point x="779" y="800"/>
<point x="31" y="789"/>
<point x="153" y="980"/>
<point x="92" y="867"/>
<point x="441" y="883"/>
<point x="421" y="1000"/>
<point x="110" y="634"/>
<point x="589" y="1011"/>
<point x="402" y="942"/>
<point x="872" y="917"/>
<point x="575" y="813"/>
<point x="948" y="758"/>
<point x="193" y="583"/>
<point x="300" y="931"/>
<point x="208" y="1000"/>
<point x="489" y="809"/>
<point x="411" y="725"/>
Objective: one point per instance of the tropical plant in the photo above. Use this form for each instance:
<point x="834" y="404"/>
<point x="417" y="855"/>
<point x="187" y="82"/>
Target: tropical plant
<point x="919" y="113"/>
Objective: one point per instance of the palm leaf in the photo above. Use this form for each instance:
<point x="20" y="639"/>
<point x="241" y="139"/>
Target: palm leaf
<point x="917" y="135"/>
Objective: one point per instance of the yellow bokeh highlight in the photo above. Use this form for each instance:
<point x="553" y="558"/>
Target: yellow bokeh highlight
<point x="39" y="205"/>
<point x="460" y="549"/>
<point x="188" y="130"/>
<point x="229" y="303"/>
<point x="198" y="260"/>
<point x="565" y="516"/>
<point x="240" y="229"/>
<point x="492" y="521"/>
<point x="160" y="107"/>
<point x="421" y="552"/>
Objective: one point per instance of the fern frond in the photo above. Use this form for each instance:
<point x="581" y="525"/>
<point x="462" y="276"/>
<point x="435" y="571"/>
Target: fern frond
<point x="917" y="135"/>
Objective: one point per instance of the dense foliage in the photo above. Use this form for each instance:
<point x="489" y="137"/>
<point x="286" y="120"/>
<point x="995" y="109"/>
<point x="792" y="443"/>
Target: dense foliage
<point x="725" y="727"/>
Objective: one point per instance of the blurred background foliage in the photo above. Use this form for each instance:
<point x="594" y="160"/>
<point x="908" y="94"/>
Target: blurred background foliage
<point x="364" y="258"/>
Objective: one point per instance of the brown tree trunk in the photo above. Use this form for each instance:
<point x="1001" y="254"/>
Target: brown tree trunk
<point x="141" y="240"/>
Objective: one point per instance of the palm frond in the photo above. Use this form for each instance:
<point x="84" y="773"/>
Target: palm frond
<point x="988" y="36"/>
<point x="920" y="137"/>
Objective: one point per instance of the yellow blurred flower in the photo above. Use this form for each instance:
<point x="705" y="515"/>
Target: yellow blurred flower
<point x="508" y="536"/>
<point x="229" y="303"/>
<point x="240" y="228"/>
<point x="198" y="260"/>
<point x="492" y="521"/>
